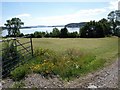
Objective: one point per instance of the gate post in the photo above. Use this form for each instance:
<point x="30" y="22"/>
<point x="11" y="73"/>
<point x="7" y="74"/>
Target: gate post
<point x="31" y="46"/>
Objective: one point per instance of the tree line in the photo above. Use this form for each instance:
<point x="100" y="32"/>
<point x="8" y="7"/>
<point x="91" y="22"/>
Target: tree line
<point x="56" y="33"/>
<point x="92" y="29"/>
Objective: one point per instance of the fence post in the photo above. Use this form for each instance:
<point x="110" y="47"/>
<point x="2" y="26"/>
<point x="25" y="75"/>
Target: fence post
<point x="31" y="46"/>
<point x="15" y="41"/>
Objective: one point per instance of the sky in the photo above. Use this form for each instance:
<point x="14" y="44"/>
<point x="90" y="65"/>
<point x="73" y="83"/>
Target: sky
<point x="55" y="13"/>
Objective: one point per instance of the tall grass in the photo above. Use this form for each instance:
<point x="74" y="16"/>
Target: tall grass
<point x="70" y="58"/>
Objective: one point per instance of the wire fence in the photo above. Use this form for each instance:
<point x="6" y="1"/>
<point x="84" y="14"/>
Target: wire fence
<point x="13" y="54"/>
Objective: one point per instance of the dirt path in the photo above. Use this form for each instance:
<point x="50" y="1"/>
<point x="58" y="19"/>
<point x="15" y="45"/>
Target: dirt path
<point x="105" y="78"/>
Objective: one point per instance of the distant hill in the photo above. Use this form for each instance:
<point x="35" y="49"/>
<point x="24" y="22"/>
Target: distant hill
<point x="3" y="28"/>
<point x="70" y="25"/>
<point x="75" y="25"/>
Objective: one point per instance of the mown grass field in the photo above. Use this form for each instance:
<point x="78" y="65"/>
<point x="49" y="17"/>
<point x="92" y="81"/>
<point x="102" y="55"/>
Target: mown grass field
<point x="70" y="57"/>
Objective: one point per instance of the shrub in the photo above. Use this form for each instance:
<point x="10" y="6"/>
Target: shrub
<point x="19" y="73"/>
<point x="46" y="54"/>
<point x="46" y="68"/>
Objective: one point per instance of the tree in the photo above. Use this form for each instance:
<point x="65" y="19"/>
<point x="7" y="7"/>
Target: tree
<point x="114" y="19"/>
<point x="94" y="29"/>
<point x="73" y="34"/>
<point x="21" y="35"/>
<point x="16" y="25"/>
<point x="13" y="26"/>
<point x="37" y="34"/>
<point x="9" y="27"/>
<point x="55" y="32"/>
<point x="117" y="31"/>
<point x="105" y="26"/>
<point x="64" y="33"/>
<point x="47" y="34"/>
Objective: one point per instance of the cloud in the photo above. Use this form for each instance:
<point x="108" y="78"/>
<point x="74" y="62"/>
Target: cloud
<point x="113" y="5"/>
<point x="83" y="15"/>
<point x="89" y="12"/>
<point x="22" y="15"/>
<point x="119" y="5"/>
<point x="79" y="16"/>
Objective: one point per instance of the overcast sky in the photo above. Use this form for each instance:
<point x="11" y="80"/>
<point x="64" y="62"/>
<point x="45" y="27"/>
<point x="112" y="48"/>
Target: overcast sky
<point x="56" y="13"/>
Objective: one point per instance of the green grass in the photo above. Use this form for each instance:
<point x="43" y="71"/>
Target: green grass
<point x="70" y="57"/>
<point x="100" y="47"/>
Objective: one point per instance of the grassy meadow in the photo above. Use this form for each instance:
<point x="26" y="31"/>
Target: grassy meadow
<point x="68" y="57"/>
<point x="101" y="47"/>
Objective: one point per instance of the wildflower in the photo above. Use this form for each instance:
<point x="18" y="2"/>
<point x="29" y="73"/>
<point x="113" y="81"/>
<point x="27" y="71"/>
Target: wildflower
<point x="45" y="60"/>
<point x="68" y="61"/>
<point x="46" y="71"/>
<point x="77" y="66"/>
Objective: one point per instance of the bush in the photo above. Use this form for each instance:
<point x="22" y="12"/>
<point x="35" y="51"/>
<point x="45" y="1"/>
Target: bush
<point x="46" y="54"/>
<point x="19" y="73"/>
<point x="45" y="68"/>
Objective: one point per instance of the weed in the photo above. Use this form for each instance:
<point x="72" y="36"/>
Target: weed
<point x="19" y="73"/>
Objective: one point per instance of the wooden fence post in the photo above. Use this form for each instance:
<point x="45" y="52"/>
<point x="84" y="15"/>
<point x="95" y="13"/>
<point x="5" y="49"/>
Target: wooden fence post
<point x="31" y="46"/>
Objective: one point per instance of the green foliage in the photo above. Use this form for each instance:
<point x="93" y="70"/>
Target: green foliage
<point x="113" y="18"/>
<point x="79" y="57"/>
<point x="13" y="26"/>
<point x="67" y="65"/>
<point x="19" y="73"/>
<point x="39" y="34"/>
<point x="117" y="32"/>
<point x="95" y="29"/>
<point x="55" y="32"/>
<point x="10" y="55"/>
<point x="45" y="69"/>
<point x="9" y="26"/>
<point x="73" y="35"/>
<point x="64" y="33"/>
<point x="46" y="54"/>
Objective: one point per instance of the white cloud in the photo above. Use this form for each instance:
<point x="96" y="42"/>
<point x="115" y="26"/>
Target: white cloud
<point x="119" y="5"/>
<point x="113" y="5"/>
<point x="22" y="15"/>
<point x="79" y="16"/>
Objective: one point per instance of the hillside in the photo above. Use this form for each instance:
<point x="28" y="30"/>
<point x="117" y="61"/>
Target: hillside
<point x="75" y="25"/>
